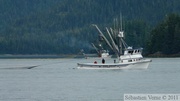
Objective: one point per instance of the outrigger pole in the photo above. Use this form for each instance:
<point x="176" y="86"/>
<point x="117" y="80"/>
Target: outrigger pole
<point x="114" y="35"/>
<point x="103" y="36"/>
<point x="115" y="47"/>
<point x="95" y="48"/>
<point x="112" y="45"/>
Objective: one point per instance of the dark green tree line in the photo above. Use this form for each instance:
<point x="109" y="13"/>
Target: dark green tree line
<point x="64" y="26"/>
<point x="166" y="36"/>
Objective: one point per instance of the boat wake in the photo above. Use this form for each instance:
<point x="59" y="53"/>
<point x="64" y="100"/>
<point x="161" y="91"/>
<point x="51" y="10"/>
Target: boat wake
<point x="24" y="67"/>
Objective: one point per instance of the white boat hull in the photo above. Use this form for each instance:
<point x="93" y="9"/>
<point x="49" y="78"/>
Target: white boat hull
<point x="143" y="64"/>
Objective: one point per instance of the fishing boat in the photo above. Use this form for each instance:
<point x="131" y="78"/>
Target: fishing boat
<point x="132" y="59"/>
<point x="127" y="57"/>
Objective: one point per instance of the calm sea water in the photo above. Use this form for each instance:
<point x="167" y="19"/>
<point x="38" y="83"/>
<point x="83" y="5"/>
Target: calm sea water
<point x="59" y="80"/>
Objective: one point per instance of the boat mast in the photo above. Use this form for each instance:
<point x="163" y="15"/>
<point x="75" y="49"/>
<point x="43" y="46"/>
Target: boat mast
<point x="121" y="34"/>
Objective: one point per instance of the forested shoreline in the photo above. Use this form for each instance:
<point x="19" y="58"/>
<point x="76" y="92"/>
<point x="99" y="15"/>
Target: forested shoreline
<point x="165" y="38"/>
<point x="64" y="26"/>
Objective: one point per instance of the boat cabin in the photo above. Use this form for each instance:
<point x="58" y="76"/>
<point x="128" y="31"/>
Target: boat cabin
<point x="132" y="51"/>
<point x="131" y="55"/>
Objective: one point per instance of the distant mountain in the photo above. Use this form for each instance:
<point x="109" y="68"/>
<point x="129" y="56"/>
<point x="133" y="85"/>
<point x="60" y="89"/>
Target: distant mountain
<point x="64" y="26"/>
